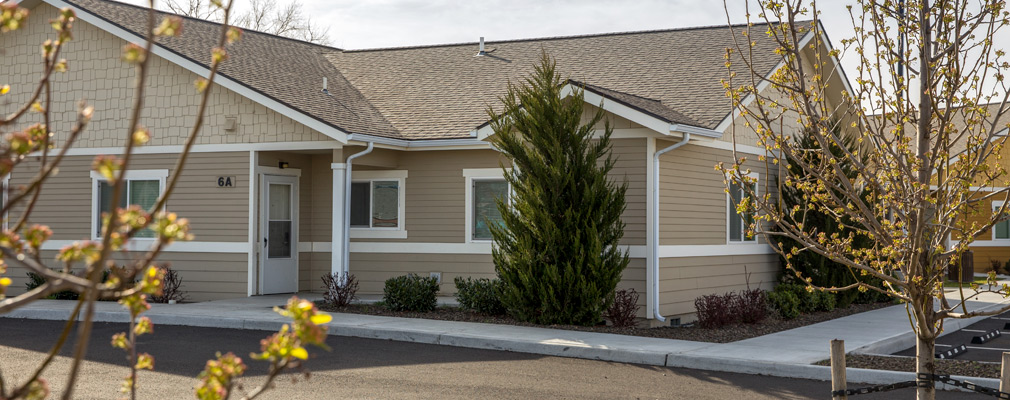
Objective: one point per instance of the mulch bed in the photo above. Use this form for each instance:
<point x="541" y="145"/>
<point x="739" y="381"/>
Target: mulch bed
<point x="724" y="335"/>
<point x="907" y="364"/>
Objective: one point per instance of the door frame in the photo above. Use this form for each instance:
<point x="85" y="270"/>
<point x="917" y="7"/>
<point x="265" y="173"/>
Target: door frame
<point x="261" y="209"/>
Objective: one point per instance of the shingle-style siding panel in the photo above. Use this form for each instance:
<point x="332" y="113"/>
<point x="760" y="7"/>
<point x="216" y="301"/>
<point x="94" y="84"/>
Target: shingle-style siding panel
<point x="96" y="74"/>
<point x="205" y="276"/>
<point x="693" y="202"/>
<point x="215" y="214"/>
<point x="682" y="280"/>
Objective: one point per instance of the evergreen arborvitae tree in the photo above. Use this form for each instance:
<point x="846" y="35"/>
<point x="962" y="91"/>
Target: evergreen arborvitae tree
<point x="557" y="252"/>
<point x="820" y="269"/>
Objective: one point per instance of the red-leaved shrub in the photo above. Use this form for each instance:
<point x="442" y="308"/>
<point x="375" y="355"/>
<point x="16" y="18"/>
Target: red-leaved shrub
<point x="715" y="310"/>
<point x="339" y="294"/>
<point x="751" y="305"/>
<point x="623" y="311"/>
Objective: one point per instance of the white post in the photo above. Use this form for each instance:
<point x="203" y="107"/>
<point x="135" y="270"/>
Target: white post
<point x="337" y="240"/>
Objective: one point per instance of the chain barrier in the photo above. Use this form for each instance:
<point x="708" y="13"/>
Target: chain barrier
<point x="924" y="380"/>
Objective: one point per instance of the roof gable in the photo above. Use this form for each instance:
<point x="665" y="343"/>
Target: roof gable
<point x="442" y="92"/>
<point x="282" y="74"/>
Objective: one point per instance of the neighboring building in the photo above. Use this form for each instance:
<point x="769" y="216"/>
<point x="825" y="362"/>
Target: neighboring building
<point x="419" y="199"/>
<point x="993" y="244"/>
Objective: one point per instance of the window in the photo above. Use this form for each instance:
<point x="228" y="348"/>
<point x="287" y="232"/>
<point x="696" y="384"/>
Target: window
<point x="375" y="204"/>
<point x="485" y="208"/>
<point x="483" y="186"/>
<point x="143" y="187"/>
<point x="1002" y="229"/>
<point x="739" y="223"/>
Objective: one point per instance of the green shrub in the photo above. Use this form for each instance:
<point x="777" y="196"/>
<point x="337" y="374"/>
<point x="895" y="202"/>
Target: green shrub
<point x="481" y="295"/>
<point x="825" y="301"/>
<point x="410" y="293"/>
<point x="36" y="280"/>
<point x="785" y="302"/>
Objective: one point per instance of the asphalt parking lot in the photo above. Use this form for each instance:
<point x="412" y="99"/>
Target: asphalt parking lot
<point x="990" y="351"/>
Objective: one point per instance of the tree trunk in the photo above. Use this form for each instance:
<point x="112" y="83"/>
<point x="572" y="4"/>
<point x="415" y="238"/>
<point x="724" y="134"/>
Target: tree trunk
<point x="924" y="364"/>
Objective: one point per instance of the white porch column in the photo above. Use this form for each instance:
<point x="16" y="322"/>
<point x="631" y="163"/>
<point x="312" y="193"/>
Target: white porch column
<point x="337" y="229"/>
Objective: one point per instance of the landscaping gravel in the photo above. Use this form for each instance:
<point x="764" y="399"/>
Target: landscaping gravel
<point x="727" y="334"/>
<point x="907" y="364"/>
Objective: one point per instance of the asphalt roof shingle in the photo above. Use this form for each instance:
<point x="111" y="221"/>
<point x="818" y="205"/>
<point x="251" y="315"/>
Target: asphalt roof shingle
<point x="441" y="92"/>
<point x="287" y="70"/>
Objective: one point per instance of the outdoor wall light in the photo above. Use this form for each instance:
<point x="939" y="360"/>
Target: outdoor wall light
<point x="282" y="164"/>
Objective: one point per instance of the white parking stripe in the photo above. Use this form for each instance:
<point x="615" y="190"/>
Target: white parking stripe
<point x="986" y="348"/>
<point x="974" y="330"/>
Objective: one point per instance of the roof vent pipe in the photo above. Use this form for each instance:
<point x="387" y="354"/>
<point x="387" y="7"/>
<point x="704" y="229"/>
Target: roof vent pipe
<point x="481" y="51"/>
<point x="325" y="86"/>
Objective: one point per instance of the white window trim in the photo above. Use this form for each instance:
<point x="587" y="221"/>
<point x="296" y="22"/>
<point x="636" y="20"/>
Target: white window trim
<point x="730" y="213"/>
<point x="400" y="231"/>
<point x="161" y="175"/>
<point x="479" y="174"/>
<point x="992" y="232"/>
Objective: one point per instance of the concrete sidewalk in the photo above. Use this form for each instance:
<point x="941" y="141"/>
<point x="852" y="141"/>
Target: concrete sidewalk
<point x="787" y="354"/>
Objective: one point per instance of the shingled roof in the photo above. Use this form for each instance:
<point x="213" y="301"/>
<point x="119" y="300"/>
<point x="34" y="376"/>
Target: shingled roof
<point x="286" y="70"/>
<point x="441" y="92"/>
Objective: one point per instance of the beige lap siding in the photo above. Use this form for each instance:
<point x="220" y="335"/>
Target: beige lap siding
<point x="631" y="156"/>
<point x="683" y="279"/>
<point x="96" y="73"/>
<point x="372" y="269"/>
<point x="634" y="278"/>
<point x="205" y="276"/>
<point x="215" y="214"/>
<point x="693" y="201"/>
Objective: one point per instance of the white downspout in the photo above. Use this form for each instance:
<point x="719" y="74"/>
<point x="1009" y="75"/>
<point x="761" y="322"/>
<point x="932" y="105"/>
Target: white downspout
<point x="346" y="257"/>
<point x="655" y="225"/>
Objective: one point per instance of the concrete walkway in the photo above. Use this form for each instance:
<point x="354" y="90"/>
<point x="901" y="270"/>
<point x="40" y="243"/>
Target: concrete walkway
<point x="788" y="353"/>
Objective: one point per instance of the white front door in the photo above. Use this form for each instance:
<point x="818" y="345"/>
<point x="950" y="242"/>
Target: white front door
<point x="278" y="234"/>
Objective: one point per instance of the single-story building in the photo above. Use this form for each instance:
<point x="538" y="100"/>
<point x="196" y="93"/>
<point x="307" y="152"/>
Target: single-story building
<point x="296" y="132"/>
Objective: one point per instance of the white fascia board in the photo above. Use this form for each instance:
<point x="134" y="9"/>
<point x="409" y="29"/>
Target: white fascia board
<point x="695" y="130"/>
<point x="204" y="72"/>
<point x="765" y="82"/>
<point x="422" y="144"/>
<point x="483" y="132"/>
<point x="619" y="109"/>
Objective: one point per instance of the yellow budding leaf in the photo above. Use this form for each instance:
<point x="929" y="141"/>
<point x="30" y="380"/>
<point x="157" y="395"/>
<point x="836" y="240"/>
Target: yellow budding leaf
<point x="320" y="319"/>
<point x="5" y="281"/>
<point x="5" y="89"/>
<point x="300" y="353"/>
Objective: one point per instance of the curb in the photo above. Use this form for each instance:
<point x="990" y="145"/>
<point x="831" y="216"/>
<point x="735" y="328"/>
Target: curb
<point x="178" y="320"/>
<point x="561" y="348"/>
<point x="813" y="372"/>
<point x="890" y="345"/>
